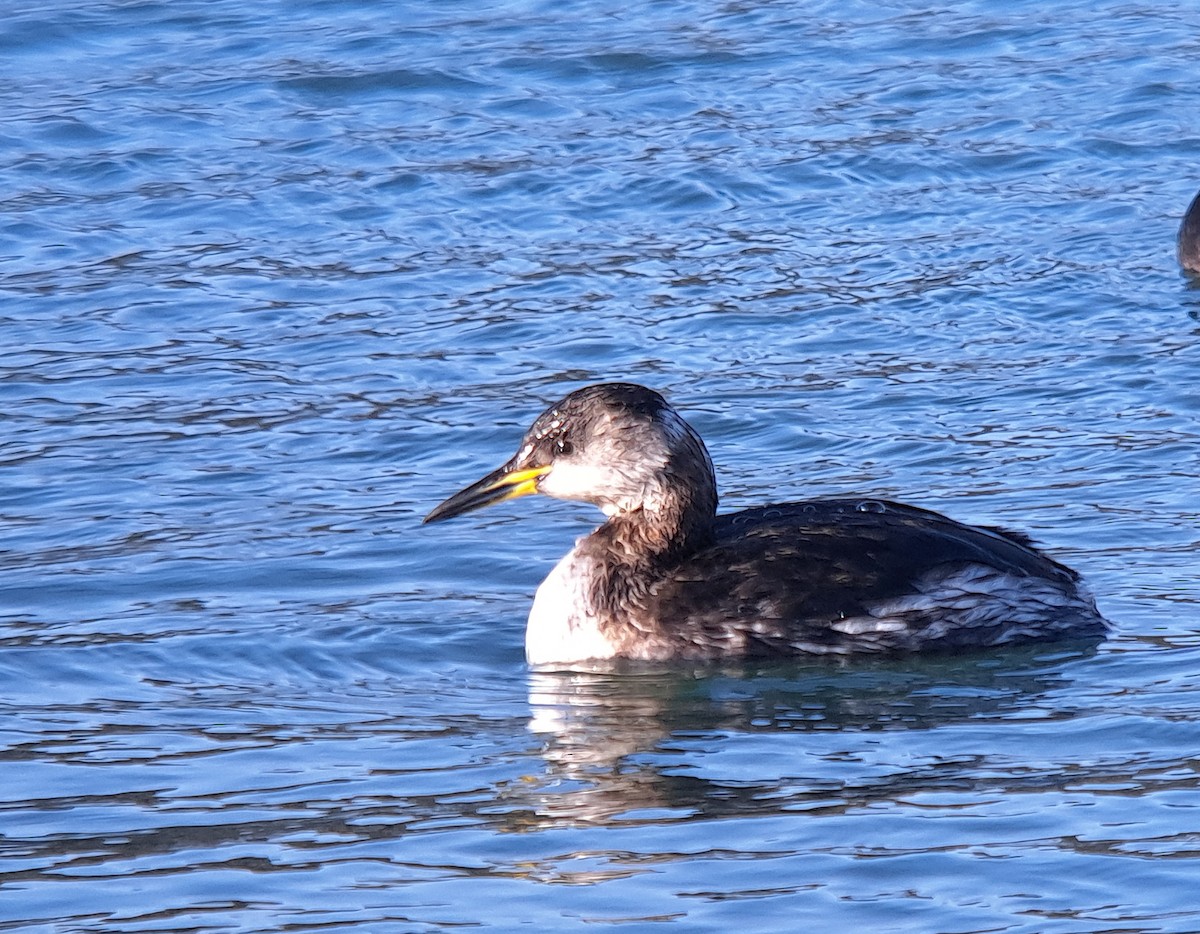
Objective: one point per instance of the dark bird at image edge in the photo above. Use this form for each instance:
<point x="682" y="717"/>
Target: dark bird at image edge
<point x="1188" y="242"/>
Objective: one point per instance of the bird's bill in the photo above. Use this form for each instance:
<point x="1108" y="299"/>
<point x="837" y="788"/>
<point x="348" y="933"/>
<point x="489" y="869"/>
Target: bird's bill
<point x="496" y="487"/>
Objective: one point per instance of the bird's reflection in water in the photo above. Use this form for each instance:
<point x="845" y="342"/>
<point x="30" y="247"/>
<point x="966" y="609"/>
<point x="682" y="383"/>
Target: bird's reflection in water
<point x="629" y="745"/>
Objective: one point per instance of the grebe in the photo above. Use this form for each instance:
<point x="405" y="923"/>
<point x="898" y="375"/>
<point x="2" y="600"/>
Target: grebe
<point x="1189" y="238"/>
<point x="665" y="577"/>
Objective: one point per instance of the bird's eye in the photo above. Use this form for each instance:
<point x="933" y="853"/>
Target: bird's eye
<point x="564" y="447"/>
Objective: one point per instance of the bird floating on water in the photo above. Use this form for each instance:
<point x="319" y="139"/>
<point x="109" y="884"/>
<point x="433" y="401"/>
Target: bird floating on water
<point x="666" y="577"/>
<point x="1188" y="243"/>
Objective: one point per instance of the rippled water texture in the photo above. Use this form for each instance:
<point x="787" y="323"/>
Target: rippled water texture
<point x="277" y="277"/>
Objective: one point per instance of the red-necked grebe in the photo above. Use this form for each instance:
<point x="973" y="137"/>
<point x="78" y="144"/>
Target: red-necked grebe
<point x="665" y="577"/>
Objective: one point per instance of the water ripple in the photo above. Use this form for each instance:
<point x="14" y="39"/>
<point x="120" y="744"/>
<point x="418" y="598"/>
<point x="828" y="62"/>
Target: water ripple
<point x="276" y="281"/>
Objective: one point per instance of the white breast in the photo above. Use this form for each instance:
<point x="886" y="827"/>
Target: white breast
<point x="562" y="626"/>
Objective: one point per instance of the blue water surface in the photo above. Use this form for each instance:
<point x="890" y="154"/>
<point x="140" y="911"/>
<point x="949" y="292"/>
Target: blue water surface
<point x="275" y="278"/>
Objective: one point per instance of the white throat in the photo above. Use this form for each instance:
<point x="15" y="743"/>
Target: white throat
<point x="563" y="625"/>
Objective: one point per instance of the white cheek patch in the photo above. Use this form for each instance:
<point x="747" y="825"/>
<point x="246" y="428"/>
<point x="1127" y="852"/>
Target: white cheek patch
<point x="619" y="472"/>
<point x="569" y="479"/>
<point x="583" y="482"/>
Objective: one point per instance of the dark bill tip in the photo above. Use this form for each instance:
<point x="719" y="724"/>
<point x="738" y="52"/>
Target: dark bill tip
<point x="499" y="485"/>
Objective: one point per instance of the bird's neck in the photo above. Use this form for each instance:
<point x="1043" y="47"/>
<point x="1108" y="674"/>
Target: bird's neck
<point x="592" y="604"/>
<point x="633" y="550"/>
